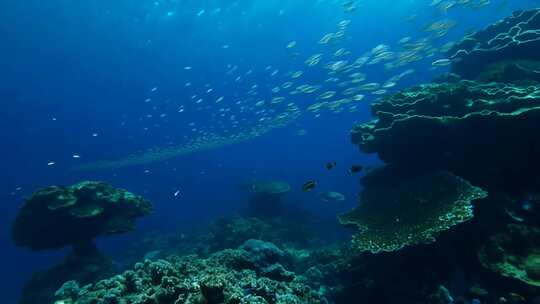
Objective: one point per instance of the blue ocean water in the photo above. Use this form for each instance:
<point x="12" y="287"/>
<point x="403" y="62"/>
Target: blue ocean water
<point x="87" y="81"/>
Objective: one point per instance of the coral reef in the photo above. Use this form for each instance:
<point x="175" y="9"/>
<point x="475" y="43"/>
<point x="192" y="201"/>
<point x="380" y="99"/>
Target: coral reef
<point x="435" y="274"/>
<point x="468" y="128"/>
<point x="55" y="217"/>
<point x="515" y="37"/>
<point x="514" y="254"/>
<point x="410" y="212"/>
<point x="483" y="131"/>
<point x="437" y="140"/>
<point x="445" y="146"/>
<point x="249" y="274"/>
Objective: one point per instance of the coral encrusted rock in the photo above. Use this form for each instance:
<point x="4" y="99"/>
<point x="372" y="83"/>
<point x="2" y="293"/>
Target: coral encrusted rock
<point x="54" y="217"/>
<point x="484" y="133"/>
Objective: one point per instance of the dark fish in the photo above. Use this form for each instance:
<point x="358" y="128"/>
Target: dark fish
<point x="309" y="186"/>
<point x="330" y="165"/>
<point x="355" y="169"/>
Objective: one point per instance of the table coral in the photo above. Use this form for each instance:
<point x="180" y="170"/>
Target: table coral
<point x="515" y="37"/>
<point x="468" y="128"/>
<point x="410" y="212"/>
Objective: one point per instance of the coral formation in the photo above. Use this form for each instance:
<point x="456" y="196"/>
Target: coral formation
<point x="468" y="128"/>
<point x="437" y="140"/>
<point x="55" y="217"/>
<point x="411" y="211"/>
<point x="443" y="144"/>
<point x="482" y="131"/>
<point x="514" y="254"/>
<point x="515" y="37"/>
<point x="244" y="275"/>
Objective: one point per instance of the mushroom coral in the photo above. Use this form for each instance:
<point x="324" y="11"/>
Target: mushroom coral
<point x="56" y="216"/>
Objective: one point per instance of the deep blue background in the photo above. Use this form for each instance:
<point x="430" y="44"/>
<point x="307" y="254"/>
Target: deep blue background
<point x="91" y="64"/>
